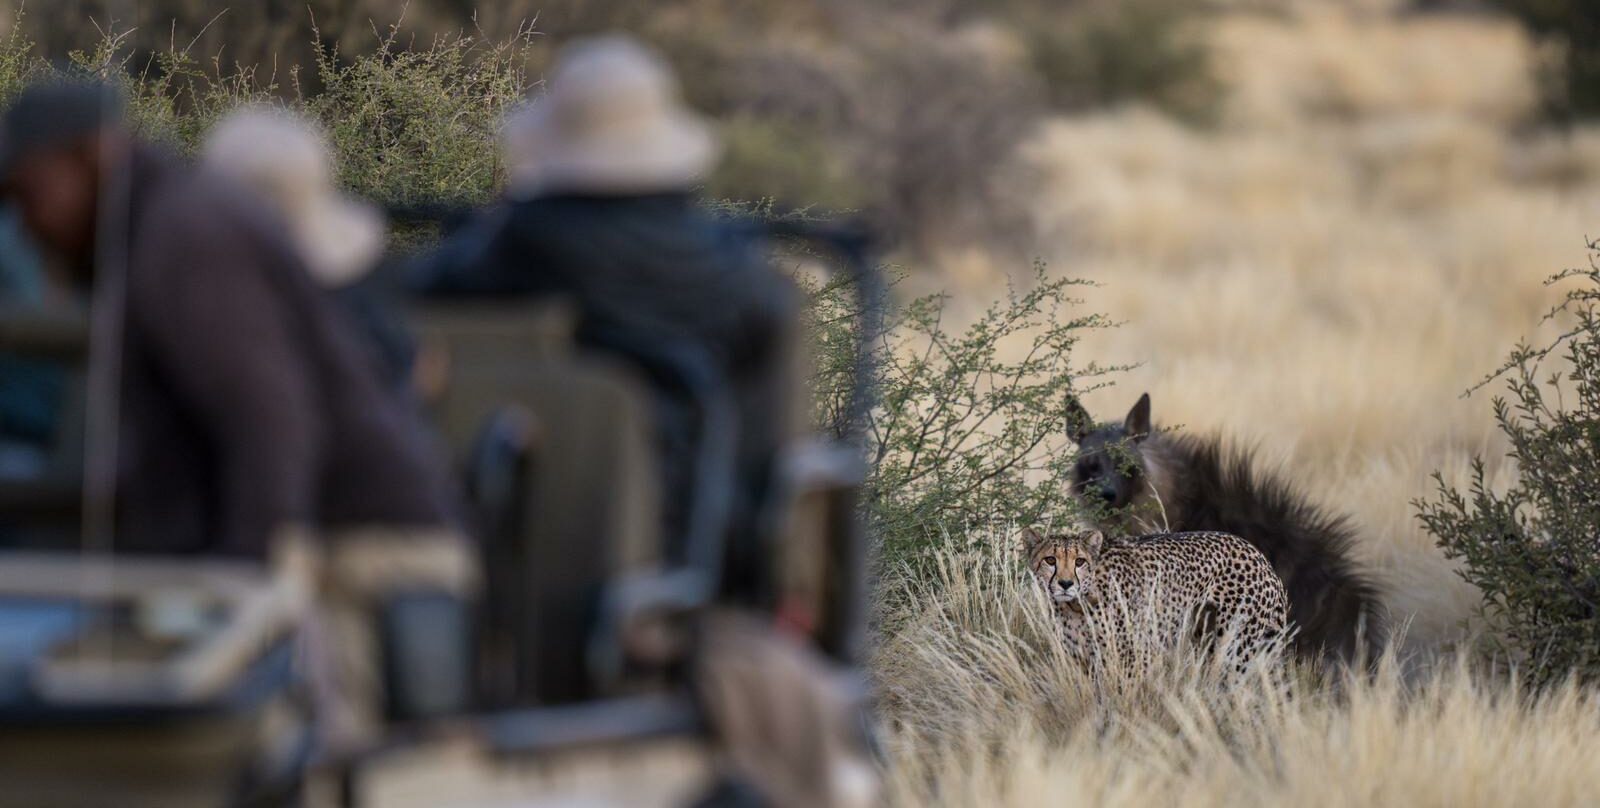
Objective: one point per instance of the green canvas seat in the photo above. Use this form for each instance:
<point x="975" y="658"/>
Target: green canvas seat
<point x="590" y="511"/>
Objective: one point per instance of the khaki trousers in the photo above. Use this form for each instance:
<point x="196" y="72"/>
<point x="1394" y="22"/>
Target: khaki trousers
<point x="359" y="569"/>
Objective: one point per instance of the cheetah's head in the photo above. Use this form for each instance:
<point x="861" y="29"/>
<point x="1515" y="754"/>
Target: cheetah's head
<point x="1063" y="564"/>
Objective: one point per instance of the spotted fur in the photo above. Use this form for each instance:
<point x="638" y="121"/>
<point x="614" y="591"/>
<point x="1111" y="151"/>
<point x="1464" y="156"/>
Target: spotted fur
<point x="1215" y="585"/>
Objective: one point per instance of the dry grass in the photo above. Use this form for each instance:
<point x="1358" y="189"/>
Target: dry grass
<point x="987" y="710"/>
<point x="1364" y="235"/>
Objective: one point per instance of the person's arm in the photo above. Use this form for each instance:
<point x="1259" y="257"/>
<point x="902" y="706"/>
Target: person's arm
<point x="224" y="336"/>
<point x="30" y="400"/>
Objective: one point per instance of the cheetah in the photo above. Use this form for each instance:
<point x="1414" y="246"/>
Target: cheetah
<point x="1214" y="584"/>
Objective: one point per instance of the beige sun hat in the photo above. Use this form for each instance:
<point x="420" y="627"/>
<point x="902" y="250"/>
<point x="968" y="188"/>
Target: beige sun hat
<point x="519" y="149"/>
<point x="612" y="122"/>
<point x="287" y="159"/>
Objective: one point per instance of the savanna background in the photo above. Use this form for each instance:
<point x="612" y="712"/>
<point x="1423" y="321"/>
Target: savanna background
<point x="1311" y="226"/>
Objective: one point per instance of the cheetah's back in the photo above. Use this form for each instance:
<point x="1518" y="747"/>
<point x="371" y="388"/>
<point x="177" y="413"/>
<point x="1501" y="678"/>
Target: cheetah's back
<point x="1214" y="584"/>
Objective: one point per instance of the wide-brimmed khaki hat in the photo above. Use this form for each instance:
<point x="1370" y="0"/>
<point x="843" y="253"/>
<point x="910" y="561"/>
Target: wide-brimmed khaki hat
<point x="287" y="159"/>
<point x="612" y="122"/>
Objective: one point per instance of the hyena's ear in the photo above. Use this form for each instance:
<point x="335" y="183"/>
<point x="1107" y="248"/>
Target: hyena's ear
<point x="1079" y="424"/>
<point x="1031" y="539"/>
<point x="1137" y="426"/>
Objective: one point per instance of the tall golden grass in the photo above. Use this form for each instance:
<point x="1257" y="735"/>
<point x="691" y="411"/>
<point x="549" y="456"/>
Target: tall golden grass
<point x="1363" y="236"/>
<point x="986" y="709"/>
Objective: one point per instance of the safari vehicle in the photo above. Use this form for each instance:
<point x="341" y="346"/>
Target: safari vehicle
<point x="174" y="682"/>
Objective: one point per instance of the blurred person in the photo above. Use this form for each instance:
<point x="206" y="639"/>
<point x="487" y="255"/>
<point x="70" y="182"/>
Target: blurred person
<point x="602" y="208"/>
<point x="30" y="389"/>
<point x="287" y="160"/>
<point x="248" y="417"/>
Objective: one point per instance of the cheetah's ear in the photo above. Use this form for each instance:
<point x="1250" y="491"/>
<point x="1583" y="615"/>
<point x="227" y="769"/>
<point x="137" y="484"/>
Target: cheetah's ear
<point x="1094" y="542"/>
<point x="1137" y="426"/>
<point x="1079" y="422"/>
<point x="1031" y="539"/>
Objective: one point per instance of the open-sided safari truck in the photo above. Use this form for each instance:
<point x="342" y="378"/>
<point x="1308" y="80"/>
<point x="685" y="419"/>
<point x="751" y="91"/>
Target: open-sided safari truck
<point x="603" y="670"/>
<point x="133" y="681"/>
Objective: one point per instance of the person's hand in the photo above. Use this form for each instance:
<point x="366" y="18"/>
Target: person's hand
<point x="430" y="373"/>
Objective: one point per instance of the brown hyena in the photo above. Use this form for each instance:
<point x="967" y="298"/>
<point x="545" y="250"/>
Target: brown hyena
<point x="1135" y="479"/>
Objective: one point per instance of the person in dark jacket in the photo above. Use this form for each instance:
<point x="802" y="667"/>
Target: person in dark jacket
<point x="30" y="389"/>
<point x="247" y="414"/>
<point x="601" y="209"/>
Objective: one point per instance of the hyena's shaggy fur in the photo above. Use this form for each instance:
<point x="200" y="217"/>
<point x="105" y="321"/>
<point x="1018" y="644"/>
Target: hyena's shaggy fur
<point x="1135" y="479"/>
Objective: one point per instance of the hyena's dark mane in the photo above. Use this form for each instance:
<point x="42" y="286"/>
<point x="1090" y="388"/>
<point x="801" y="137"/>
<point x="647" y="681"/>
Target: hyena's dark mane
<point x="1205" y="484"/>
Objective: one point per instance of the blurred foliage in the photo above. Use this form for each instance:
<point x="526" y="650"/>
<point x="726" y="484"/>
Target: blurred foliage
<point x="1532" y="550"/>
<point x="1130" y="51"/>
<point x="18" y="61"/>
<point x="774" y="159"/>
<point x="904" y="110"/>
<point x="274" y="37"/>
<point x="417" y="124"/>
<point x="171" y="98"/>
<point x="408" y="124"/>
<point x="1573" y="26"/>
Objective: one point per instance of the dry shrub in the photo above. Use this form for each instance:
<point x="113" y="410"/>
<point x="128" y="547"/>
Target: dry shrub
<point x="1107" y="54"/>
<point x="269" y="36"/>
<point x="1531" y="549"/>
<point x="173" y="97"/>
<point x="420" y="124"/>
<point x="940" y="115"/>
<point x="968" y="428"/>
<point x="408" y="122"/>
<point x="918" y="116"/>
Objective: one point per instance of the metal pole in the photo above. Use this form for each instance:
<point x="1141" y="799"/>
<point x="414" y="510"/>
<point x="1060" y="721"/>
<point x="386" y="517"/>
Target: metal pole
<point x="104" y="368"/>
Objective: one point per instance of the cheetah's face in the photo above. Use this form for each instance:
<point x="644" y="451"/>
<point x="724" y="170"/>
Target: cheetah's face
<point x="1063" y="566"/>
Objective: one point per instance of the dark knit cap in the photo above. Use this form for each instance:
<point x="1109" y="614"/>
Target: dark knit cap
<point x="55" y="112"/>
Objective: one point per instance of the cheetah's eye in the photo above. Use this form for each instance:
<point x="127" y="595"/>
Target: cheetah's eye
<point x="1078" y="564"/>
<point x="1051" y="560"/>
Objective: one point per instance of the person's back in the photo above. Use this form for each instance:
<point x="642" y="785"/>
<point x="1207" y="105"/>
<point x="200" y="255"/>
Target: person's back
<point x="655" y="266"/>
<point x="605" y="214"/>
<point x="644" y="269"/>
<point x="657" y="278"/>
<point x="215" y="294"/>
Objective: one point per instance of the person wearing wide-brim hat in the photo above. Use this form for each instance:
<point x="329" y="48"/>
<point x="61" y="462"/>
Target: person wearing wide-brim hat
<point x="247" y="417"/>
<point x="602" y="208"/>
<point x="286" y="158"/>
<point x="612" y="123"/>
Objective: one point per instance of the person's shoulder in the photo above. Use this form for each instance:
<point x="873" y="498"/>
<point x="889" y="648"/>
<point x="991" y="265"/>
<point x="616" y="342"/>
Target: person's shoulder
<point x="197" y="228"/>
<point x="539" y="212"/>
<point x="189" y="208"/>
<point x="196" y="194"/>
